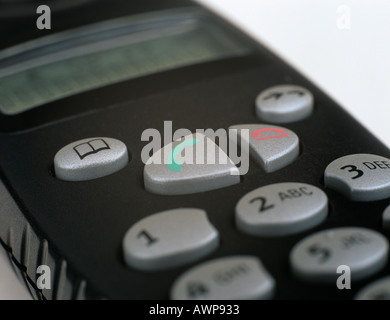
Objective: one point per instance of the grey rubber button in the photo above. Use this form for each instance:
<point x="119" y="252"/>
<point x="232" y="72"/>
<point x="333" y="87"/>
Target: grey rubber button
<point x="360" y="177"/>
<point x="230" y="278"/>
<point x="203" y="167"/>
<point x="281" y="209"/>
<point x="272" y="147"/>
<point x="317" y="257"/>
<point x="169" y="239"/>
<point x="378" y="290"/>
<point x="284" y="104"/>
<point x="90" y="159"/>
<point x="386" y="218"/>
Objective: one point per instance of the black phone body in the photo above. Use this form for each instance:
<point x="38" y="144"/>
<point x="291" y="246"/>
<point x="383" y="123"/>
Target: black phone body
<point x="77" y="228"/>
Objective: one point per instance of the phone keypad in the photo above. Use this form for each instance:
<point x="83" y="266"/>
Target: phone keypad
<point x="281" y="209"/>
<point x="177" y="237"/>
<point x="229" y="278"/>
<point x="170" y="238"/>
<point x="317" y="257"/>
<point x="284" y="104"/>
<point x="360" y="177"/>
<point x="287" y="208"/>
<point x="270" y="146"/>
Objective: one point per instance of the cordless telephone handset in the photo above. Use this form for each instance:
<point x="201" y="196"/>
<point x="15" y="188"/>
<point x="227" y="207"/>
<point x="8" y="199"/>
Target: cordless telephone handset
<point x="150" y="150"/>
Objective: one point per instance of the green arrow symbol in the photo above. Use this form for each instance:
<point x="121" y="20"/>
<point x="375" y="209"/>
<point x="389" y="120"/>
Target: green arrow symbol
<point x="172" y="164"/>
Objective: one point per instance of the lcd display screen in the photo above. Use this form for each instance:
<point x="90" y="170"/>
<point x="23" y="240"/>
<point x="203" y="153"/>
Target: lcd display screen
<point x="59" y="66"/>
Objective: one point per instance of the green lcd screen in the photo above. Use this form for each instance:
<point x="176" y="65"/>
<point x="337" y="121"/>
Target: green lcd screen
<point x="92" y="57"/>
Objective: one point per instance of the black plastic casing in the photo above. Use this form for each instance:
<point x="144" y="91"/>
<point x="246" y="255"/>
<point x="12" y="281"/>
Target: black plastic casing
<point x="77" y="228"/>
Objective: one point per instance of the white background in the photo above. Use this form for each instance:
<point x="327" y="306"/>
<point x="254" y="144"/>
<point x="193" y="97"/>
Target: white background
<point x="352" y="65"/>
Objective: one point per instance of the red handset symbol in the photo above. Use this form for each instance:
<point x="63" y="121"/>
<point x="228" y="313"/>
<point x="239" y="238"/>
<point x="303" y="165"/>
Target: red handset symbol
<point x="257" y="133"/>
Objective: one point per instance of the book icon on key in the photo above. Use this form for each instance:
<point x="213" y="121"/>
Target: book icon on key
<point x="90" y="147"/>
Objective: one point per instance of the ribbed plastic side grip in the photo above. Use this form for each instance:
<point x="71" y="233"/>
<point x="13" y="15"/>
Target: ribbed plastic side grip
<point x="31" y="250"/>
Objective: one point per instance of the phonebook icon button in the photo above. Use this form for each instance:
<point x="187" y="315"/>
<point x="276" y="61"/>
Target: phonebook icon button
<point x="90" y="158"/>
